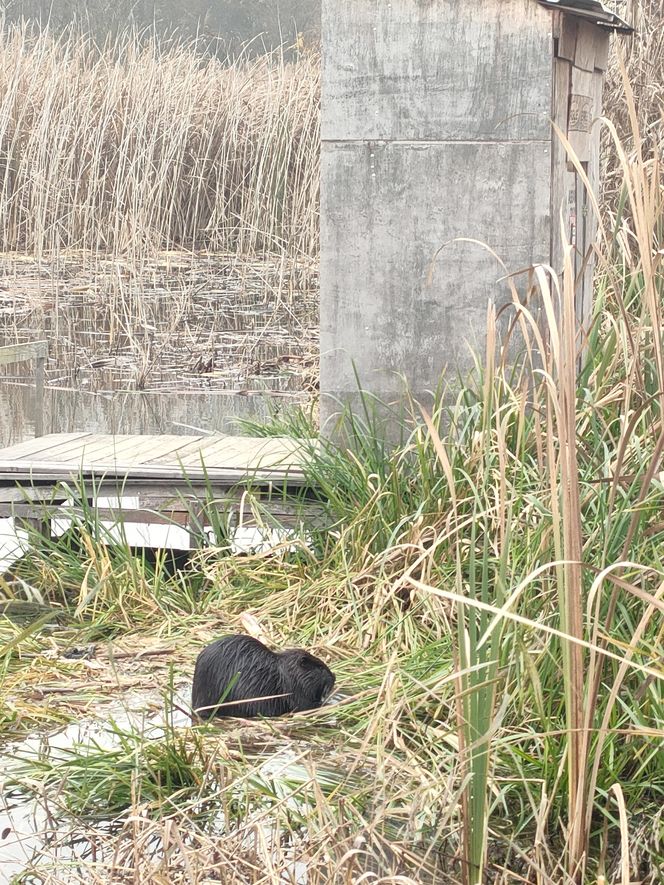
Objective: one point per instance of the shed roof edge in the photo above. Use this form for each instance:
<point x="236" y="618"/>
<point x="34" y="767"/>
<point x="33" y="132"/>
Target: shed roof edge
<point x="594" y="10"/>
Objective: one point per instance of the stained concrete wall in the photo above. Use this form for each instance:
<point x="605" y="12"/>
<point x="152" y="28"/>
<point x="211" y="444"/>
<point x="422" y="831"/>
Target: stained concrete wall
<point x="435" y="126"/>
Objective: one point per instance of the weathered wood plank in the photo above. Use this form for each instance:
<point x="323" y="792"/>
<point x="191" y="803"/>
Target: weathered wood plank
<point x="126" y="449"/>
<point x="37" y="470"/>
<point x="190" y="453"/>
<point x="18" y="353"/>
<point x="32" y="448"/>
<point x="68" y="447"/>
<point x="93" y="449"/>
<point x="602" y="47"/>
<point x="569" y="29"/>
<point x="562" y="180"/>
<point x="107" y="447"/>
<point x="585" y="295"/>
<point x="581" y="113"/>
<point x="40" y="373"/>
<point x="151" y="498"/>
<point x="23" y="494"/>
<point x="238" y="452"/>
<point x="584" y="57"/>
<point x="35" y="512"/>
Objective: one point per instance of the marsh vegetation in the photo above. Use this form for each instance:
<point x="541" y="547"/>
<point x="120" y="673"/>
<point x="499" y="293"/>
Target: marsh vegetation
<point x="489" y="595"/>
<point x="158" y="217"/>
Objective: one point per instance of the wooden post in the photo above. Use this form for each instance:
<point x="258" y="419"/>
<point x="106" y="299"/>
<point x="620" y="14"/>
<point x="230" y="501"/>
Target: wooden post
<point x="40" y="365"/>
<point x="31" y="350"/>
<point x="41" y="525"/>
<point x="196" y="527"/>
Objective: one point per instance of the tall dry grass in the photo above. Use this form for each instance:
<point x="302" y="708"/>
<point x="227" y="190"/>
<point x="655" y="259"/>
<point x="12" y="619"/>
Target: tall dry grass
<point x="146" y="144"/>
<point x="643" y="55"/>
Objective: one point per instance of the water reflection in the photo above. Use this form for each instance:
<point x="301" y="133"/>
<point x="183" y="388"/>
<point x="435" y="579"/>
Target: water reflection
<point x="193" y="412"/>
<point x="162" y="345"/>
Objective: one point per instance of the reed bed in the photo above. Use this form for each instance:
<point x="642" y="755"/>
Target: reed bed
<point x="172" y="321"/>
<point x="643" y="57"/>
<point x="489" y="594"/>
<point x="144" y="144"/>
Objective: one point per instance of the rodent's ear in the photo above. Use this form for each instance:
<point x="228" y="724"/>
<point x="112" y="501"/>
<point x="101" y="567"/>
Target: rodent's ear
<point x="305" y="660"/>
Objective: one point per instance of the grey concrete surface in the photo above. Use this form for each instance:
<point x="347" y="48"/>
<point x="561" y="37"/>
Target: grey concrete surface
<point x="435" y="127"/>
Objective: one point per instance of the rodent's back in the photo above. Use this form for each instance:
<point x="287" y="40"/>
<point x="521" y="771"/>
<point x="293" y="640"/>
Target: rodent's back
<point x="252" y="680"/>
<point x="234" y="669"/>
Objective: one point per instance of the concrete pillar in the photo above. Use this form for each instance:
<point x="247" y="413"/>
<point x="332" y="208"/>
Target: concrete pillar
<point x="435" y="126"/>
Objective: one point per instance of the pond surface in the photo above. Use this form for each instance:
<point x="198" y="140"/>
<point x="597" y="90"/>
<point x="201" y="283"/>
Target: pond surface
<point x="179" y="343"/>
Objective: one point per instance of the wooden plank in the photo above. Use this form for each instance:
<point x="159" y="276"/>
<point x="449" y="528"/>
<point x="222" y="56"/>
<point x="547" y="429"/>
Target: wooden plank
<point x="40" y="369"/>
<point x="295" y="451"/>
<point x="47" y="470"/>
<point x="103" y="446"/>
<point x="98" y="443"/>
<point x="221" y="453"/>
<point x="163" y="449"/>
<point x="22" y="494"/>
<point x="568" y="33"/>
<point x="157" y="499"/>
<point x="581" y="113"/>
<point x="560" y="175"/>
<point x="190" y="453"/>
<point x="54" y="497"/>
<point x="33" y="447"/>
<point x="249" y="453"/>
<point x="585" y="302"/>
<point x="584" y="56"/>
<point x="30" y="512"/>
<point x="602" y="48"/>
<point x="41" y="524"/>
<point x="556" y="23"/>
<point x="149" y="492"/>
<point x="18" y="353"/>
<point x="106" y="447"/>
<point x="126" y="449"/>
<point x="142" y="515"/>
<point x="40" y="516"/>
<point x="65" y="450"/>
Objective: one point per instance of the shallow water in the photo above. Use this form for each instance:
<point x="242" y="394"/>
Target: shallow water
<point x="25" y="825"/>
<point x="185" y="412"/>
<point x="172" y="343"/>
<point x="28" y="827"/>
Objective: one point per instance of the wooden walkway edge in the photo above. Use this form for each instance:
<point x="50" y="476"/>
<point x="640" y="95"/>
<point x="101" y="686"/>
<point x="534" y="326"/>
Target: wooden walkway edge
<point x="154" y="478"/>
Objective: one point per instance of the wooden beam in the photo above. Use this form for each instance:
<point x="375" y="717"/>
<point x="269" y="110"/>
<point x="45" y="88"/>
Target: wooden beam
<point x="18" y="353"/>
<point x="25" y="473"/>
<point x="40" y="368"/>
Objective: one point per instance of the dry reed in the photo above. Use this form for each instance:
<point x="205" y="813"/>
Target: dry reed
<point x="644" y="60"/>
<point x="144" y="145"/>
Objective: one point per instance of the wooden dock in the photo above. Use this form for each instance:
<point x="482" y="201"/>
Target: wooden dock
<point x="158" y="479"/>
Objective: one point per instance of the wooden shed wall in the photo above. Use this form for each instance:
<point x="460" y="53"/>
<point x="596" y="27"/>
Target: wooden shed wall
<point x="580" y="58"/>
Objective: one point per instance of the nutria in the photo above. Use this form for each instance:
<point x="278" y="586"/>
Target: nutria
<point x="237" y="671"/>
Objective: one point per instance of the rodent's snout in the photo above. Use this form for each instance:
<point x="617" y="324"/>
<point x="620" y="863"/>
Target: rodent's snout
<point x="329" y="688"/>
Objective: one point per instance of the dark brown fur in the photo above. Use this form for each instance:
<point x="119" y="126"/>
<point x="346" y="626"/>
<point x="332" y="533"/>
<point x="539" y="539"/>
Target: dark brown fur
<point x="238" y="671"/>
